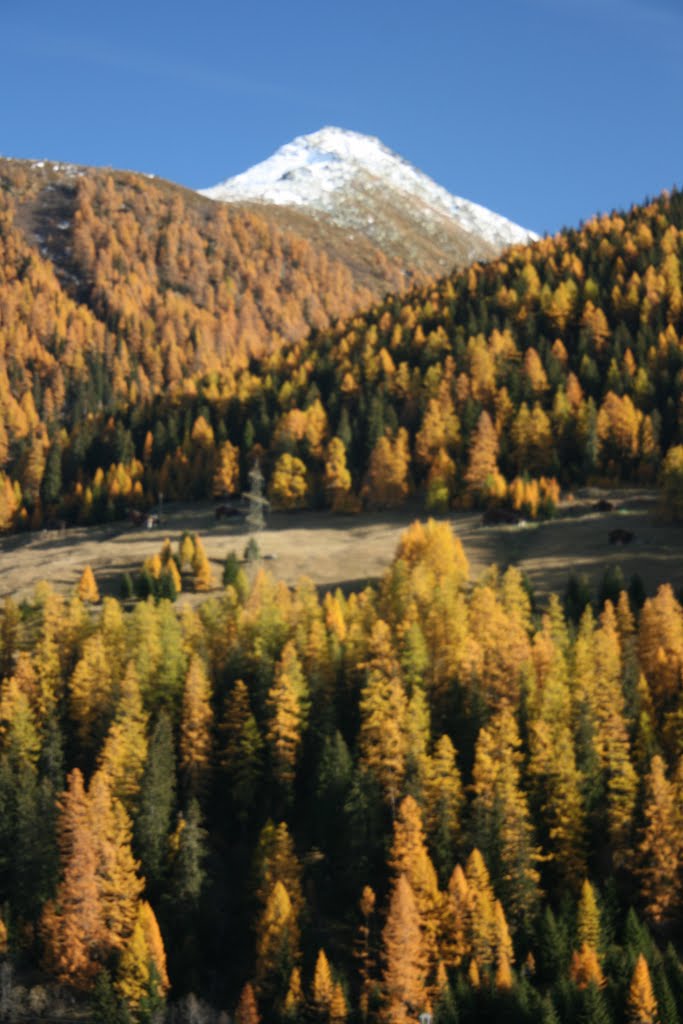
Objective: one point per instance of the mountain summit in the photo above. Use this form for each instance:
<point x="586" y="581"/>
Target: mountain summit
<point x="360" y="185"/>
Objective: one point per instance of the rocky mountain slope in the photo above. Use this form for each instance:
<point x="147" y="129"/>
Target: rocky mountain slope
<point x="356" y="183"/>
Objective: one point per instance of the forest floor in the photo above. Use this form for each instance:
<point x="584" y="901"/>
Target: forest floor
<point x="334" y="550"/>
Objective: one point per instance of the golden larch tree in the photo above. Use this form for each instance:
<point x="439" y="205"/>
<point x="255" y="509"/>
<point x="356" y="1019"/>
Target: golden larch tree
<point x="641" y="1005"/>
<point x="322" y="989"/>
<point x="119" y="883"/>
<point x="195" y="727"/>
<point x="482" y="468"/>
<point x="247" y="1007"/>
<point x="585" y="969"/>
<point x="155" y="946"/>
<point x="337" y="475"/>
<point x="289" y="483"/>
<point x="383" y="707"/>
<point x="387" y="482"/>
<point x="124" y="753"/>
<point x="91" y="693"/>
<point x="409" y="857"/>
<point x="405" y="965"/>
<point x="87" y="587"/>
<point x="226" y="475"/>
<point x="277" y="943"/>
<point x="661" y="847"/>
<point x="588" y="929"/>
<point x="483" y="936"/>
<point x="285" y="727"/>
<point x="293" y="1005"/>
<point x="73" y="924"/>
<point x="456" y="925"/>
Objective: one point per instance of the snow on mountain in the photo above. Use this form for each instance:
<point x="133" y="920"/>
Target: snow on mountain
<point x="360" y="184"/>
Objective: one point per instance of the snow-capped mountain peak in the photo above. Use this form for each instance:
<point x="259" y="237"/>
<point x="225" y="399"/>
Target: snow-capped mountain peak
<point x="360" y="184"/>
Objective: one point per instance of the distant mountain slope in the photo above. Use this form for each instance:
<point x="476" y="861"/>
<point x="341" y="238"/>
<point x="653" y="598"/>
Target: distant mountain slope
<point x="144" y="284"/>
<point x="357" y="183"/>
<point x="560" y="363"/>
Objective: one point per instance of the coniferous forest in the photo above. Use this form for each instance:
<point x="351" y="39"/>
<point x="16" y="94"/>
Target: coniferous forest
<point x="430" y="795"/>
<point x="437" y="794"/>
<point x="161" y="348"/>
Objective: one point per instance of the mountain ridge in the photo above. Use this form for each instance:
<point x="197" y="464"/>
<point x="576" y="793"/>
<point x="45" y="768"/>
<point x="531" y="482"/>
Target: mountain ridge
<point x="356" y="182"/>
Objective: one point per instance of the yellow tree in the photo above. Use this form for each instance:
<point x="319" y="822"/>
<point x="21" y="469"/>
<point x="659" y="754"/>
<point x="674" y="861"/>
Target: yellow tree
<point x="439" y="430"/>
<point x="443" y="804"/>
<point x="277" y="942"/>
<point x="607" y="709"/>
<point x="226" y="476"/>
<point x="73" y="924"/>
<point x="641" y="1005"/>
<point x="483" y="929"/>
<point x="124" y="753"/>
<point x="501" y="818"/>
<point x="195" y="727"/>
<point x="409" y="857"/>
<point x="456" y="926"/>
<point x="91" y="695"/>
<point x="585" y="969"/>
<point x="482" y="469"/>
<point x="386" y="483"/>
<point x="338" y="1008"/>
<point x="660" y="646"/>
<point x="337" y="476"/>
<point x="287" y="710"/>
<point x="323" y="986"/>
<point x="203" y="574"/>
<point x="661" y="847"/>
<point x="247" y="1007"/>
<point x="118" y="881"/>
<point x="317" y="428"/>
<point x="505" y="954"/>
<point x="588" y="930"/>
<point x="276" y="861"/>
<point x="87" y="587"/>
<point x="289" y="483"/>
<point x="405" y="967"/>
<point x="142" y="967"/>
<point x="155" y="946"/>
<point x="133" y="972"/>
<point x="383" y="708"/>
<point x="440" y="481"/>
<point x="556" y="781"/>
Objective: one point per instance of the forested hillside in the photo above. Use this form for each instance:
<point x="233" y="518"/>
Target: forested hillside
<point x="115" y="288"/>
<point x="431" y="794"/>
<point x="149" y="358"/>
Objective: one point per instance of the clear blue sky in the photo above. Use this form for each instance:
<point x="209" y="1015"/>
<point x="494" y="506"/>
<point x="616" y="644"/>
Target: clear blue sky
<point x="545" y="111"/>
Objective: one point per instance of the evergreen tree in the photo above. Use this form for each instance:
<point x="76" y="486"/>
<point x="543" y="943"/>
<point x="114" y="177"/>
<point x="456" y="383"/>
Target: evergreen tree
<point x="157" y="800"/>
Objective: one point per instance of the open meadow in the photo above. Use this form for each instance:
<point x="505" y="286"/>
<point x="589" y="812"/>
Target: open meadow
<point x="335" y="550"/>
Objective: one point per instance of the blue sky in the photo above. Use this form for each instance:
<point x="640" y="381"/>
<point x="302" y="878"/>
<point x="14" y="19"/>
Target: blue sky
<point x="544" y="110"/>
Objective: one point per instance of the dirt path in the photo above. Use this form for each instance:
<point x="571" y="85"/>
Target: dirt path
<point x="338" y="550"/>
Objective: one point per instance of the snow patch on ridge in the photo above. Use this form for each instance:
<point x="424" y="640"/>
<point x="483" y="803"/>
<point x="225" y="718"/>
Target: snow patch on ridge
<point x="331" y="169"/>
